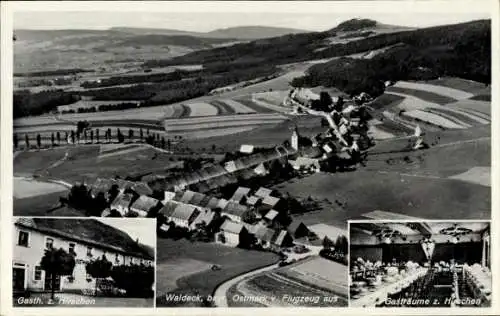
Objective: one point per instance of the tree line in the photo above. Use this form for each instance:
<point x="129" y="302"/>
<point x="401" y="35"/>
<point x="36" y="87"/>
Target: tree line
<point x="86" y="135"/>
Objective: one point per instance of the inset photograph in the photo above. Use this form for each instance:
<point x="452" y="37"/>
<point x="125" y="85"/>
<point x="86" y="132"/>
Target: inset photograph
<point x="420" y="264"/>
<point x="105" y="262"/>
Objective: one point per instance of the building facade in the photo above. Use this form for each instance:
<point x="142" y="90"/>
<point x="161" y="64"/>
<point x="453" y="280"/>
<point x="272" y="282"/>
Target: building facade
<point x="30" y="246"/>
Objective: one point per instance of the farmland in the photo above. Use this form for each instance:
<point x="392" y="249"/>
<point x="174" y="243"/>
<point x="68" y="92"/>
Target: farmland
<point x="233" y="261"/>
<point x="312" y="277"/>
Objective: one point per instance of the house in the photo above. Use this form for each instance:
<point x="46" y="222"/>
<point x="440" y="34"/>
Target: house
<point x="168" y="196"/>
<point x="184" y="197"/>
<point x="282" y="239"/>
<point x="240" y="195"/>
<point x="263" y="192"/>
<point x="145" y="205"/>
<point x="271" y="216"/>
<point x="122" y="203"/>
<point x="123" y="185"/>
<point x="142" y="188"/>
<point x="87" y="239"/>
<point x="101" y="186"/>
<point x="271" y="202"/>
<point x="304" y="163"/>
<point x="254" y="201"/>
<point x="206" y="216"/>
<point x="246" y="149"/>
<point x="235" y="211"/>
<point x="231" y="234"/>
<point x="184" y="215"/>
<point x="264" y="236"/>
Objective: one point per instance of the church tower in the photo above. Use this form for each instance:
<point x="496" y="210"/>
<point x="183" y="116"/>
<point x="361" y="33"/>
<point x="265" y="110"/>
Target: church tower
<point x="295" y="138"/>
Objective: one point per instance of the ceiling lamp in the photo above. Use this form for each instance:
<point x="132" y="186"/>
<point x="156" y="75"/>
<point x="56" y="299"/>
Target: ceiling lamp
<point x="387" y="240"/>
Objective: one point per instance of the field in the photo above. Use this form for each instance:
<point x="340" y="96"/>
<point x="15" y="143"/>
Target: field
<point x="233" y="262"/>
<point x="43" y="205"/>
<point x="264" y="136"/>
<point x="167" y="273"/>
<point x="313" y="277"/>
<point x="24" y="188"/>
<point x="205" y="127"/>
<point x="447" y="103"/>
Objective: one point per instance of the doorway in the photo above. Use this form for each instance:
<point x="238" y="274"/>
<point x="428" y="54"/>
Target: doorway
<point x="18" y="279"/>
<point x="48" y="282"/>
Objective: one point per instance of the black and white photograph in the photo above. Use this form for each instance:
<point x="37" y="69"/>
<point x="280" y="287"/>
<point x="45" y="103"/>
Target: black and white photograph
<point x="420" y="264"/>
<point x="83" y="262"/>
<point x="251" y="132"/>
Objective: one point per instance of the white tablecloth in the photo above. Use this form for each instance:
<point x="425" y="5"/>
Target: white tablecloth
<point x="380" y="295"/>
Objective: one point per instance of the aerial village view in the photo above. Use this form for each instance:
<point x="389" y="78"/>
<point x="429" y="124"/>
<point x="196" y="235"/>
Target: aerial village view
<point x="251" y="146"/>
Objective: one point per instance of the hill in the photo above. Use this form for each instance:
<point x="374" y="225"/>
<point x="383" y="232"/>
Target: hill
<point x="240" y="32"/>
<point x="454" y="50"/>
<point x="252" y="32"/>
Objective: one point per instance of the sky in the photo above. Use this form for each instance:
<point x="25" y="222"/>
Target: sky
<point x="207" y="16"/>
<point x="142" y="228"/>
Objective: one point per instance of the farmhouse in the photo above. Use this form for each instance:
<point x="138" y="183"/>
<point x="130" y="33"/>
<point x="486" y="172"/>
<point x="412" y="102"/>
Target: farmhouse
<point x="184" y="215"/>
<point x="264" y="236"/>
<point x="122" y="203"/>
<point x="240" y="195"/>
<point x="263" y="192"/>
<point x="87" y="239"/>
<point x="235" y="211"/>
<point x="232" y="234"/>
<point x="145" y="205"/>
<point x="101" y="186"/>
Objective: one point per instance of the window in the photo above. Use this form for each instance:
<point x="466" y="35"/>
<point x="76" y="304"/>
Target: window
<point x="23" y="239"/>
<point x="38" y="273"/>
<point x="89" y="251"/>
<point x="49" y="243"/>
<point x="72" y="247"/>
<point x="116" y="258"/>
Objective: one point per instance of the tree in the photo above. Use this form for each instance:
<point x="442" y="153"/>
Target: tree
<point x="66" y="136"/>
<point x="27" y="141"/>
<point x="91" y="136"/>
<point x="120" y="136"/>
<point x="73" y="136"/>
<point x="58" y="138"/>
<point x="85" y="136"/>
<point x="39" y="141"/>
<point x="15" y="141"/>
<point x="109" y="134"/>
<point x="52" y="139"/>
<point x="97" y="135"/>
<point x="56" y="263"/>
<point x="147" y="131"/>
<point x="141" y="134"/>
<point x="163" y="142"/>
<point x="328" y="243"/>
<point x="78" y="137"/>
<point x="130" y="134"/>
<point x="136" y="280"/>
<point x="99" y="269"/>
<point x="169" y="144"/>
<point x="341" y="244"/>
<point x="214" y="147"/>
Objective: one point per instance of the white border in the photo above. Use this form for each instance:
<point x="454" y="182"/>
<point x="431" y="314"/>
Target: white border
<point x="327" y="7"/>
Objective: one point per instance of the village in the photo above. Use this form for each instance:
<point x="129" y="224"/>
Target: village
<point x="230" y="203"/>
